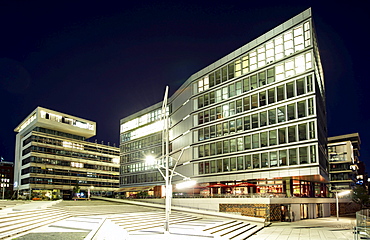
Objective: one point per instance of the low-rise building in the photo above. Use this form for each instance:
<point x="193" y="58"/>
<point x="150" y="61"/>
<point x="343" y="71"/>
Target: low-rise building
<point x="53" y="157"/>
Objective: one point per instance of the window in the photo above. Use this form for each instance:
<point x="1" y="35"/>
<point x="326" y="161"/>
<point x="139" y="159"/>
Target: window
<point x="255" y="141"/>
<point x="290" y="90"/>
<point x="233" y="164"/>
<point x="239" y="124"/>
<point x="263" y="136"/>
<point x="256" y="160"/>
<point x="303" y="159"/>
<point x="254" y="101"/>
<point x="281" y="114"/>
<point x="226" y="165"/>
<point x="225" y="128"/>
<point x="238" y="87"/>
<point x="291" y="134"/>
<point x="219" y="147"/>
<point x="219" y="166"/>
<point x="240" y="163"/>
<point x="206" y="150"/>
<point x="233" y="145"/>
<point x="300" y="86"/>
<point x="280" y="93"/>
<point x="313" y="154"/>
<point x="240" y="144"/>
<point x="302" y="132"/>
<point x="231" y="90"/>
<point x="282" y="158"/>
<point x="263" y="119"/>
<point x="212" y="113"/>
<point x="291" y="111"/>
<point x="253" y="80"/>
<point x="282" y="137"/>
<point x="271" y="75"/>
<point x="255" y="120"/>
<point x="200" y="102"/>
<point x="226" y="146"/>
<point x="224" y="76"/>
<point x="293" y="156"/>
<point x="246" y="85"/>
<point x="301" y="107"/>
<point x="247" y="123"/>
<point x="262" y="96"/>
<point x="272" y="116"/>
<point x="264" y="160"/>
<point x="246" y="103"/>
<point x="271" y="95"/>
<point x="272" y="137"/>
<point x="262" y="78"/>
<point x="201" y="134"/>
<point x="248" y="162"/>
<point x="219" y="130"/>
<point x="201" y="151"/>
<point x="279" y="48"/>
<point x="273" y="159"/>
<point x="247" y="142"/>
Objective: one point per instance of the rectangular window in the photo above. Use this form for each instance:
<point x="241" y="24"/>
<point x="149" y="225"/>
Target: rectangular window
<point x="254" y="101"/>
<point x="200" y="102"/>
<point x="300" y="86"/>
<point x="218" y="113"/>
<point x="211" y="79"/>
<point x="233" y="145"/>
<point x="245" y="64"/>
<point x="282" y="158"/>
<point x="271" y="95"/>
<point x="272" y="116"/>
<point x="240" y="163"/>
<point x="310" y="107"/>
<point x="264" y="160"/>
<point x="224" y="74"/>
<point x="225" y="110"/>
<point x="219" y="147"/>
<point x="238" y="87"/>
<point x="212" y="98"/>
<point x="201" y="151"/>
<point x="247" y="142"/>
<point x="246" y="103"/>
<point x="281" y="114"/>
<point x="206" y="150"/>
<point x="213" y="166"/>
<point x="263" y="136"/>
<point x="292" y="134"/>
<point x="262" y="98"/>
<point x="303" y="159"/>
<point x="302" y="132"/>
<point x="273" y="159"/>
<point x="272" y="138"/>
<point x="282" y="137"/>
<point x="213" y="149"/>
<point x="232" y="126"/>
<point x="231" y="90"/>
<point x="206" y="99"/>
<point x="233" y="164"/>
<point x="225" y="128"/>
<point x="309" y="84"/>
<point x="263" y="119"/>
<point x="206" y="133"/>
<point x="238" y="68"/>
<point x="280" y="93"/>
<point x="219" y="130"/>
<point x="212" y="113"/>
<point x="240" y="144"/>
<point x="301" y="107"/>
<point x="291" y="111"/>
<point x="246" y="85"/>
<point x="200" y="118"/>
<point x="247" y="123"/>
<point x="226" y="165"/>
<point x="218" y="95"/>
<point x="270" y="52"/>
<point x="218" y="76"/>
<point x="239" y="124"/>
<point x="262" y="78"/>
<point x="206" y="116"/>
<point x="253" y="80"/>
<point x="311" y="130"/>
<point x="271" y="75"/>
<point x="201" y="168"/>
<point x="313" y="154"/>
<point x="239" y="106"/>
<point x="256" y="161"/>
<point x="225" y="93"/>
<point x="226" y="146"/>
<point x="232" y="109"/>
<point x="279" y="49"/>
<point x="290" y="90"/>
<point x="231" y="70"/>
<point x="248" y="162"/>
<point x="255" y="141"/>
<point x="219" y="166"/>
<point x="292" y="156"/>
<point x="255" y="120"/>
<point x="201" y="134"/>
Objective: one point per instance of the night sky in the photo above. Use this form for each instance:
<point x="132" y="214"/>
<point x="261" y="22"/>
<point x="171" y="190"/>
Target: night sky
<point x="104" y="61"/>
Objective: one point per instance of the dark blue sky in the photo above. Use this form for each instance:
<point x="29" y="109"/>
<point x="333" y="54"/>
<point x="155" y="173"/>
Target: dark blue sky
<point x="103" y="61"/>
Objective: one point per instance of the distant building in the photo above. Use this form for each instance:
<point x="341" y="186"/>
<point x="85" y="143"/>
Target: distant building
<point x="252" y="124"/>
<point x="6" y="179"/>
<point x="344" y="152"/>
<point x="52" y="157"/>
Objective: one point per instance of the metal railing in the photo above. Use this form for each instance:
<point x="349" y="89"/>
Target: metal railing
<point x="362" y="229"/>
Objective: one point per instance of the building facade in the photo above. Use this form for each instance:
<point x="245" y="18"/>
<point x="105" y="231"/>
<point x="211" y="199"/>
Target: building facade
<point x="6" y="179"/>
<point x="52" y="157"/>
<point x="344" y="152"/>
<point x="251" y="123"/>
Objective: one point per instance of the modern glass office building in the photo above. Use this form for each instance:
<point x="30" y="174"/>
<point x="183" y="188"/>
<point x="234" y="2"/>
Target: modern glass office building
<point x="52" y="156"/>
<point x="254" y="122"/>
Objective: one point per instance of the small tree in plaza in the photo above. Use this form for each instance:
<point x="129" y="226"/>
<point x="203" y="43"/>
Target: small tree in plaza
<point x="360" y="196"/>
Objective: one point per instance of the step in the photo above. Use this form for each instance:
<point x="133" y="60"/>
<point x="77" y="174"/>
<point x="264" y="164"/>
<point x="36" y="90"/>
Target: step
<point x="248" y="233"/>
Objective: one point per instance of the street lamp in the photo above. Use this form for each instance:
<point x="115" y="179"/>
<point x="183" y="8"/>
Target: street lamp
<point x="337" y="194"/>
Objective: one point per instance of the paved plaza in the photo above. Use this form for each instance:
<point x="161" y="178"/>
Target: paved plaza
<point x="89" y="220"/>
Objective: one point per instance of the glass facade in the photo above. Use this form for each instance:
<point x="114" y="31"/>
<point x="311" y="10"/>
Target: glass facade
<point x="258" y="113"/>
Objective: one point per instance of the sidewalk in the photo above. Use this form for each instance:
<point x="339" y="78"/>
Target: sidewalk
<point x="319" y="228"/>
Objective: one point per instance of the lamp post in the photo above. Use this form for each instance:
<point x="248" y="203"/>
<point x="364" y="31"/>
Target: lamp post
<point x="165" y="151"/>
<point x="337" y="194"/>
